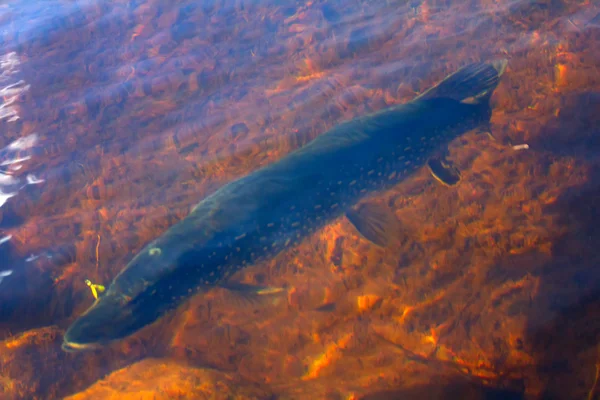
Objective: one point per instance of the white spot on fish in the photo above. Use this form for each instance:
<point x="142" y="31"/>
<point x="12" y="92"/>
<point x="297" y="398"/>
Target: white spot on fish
<point x="155" y="251"/>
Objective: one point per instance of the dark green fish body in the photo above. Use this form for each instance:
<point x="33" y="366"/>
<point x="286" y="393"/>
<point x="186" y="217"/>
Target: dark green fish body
<point x="261" y="214"/>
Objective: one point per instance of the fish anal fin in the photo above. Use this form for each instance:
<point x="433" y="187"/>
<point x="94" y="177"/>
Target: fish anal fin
<point x="374" y="222"/>
<point x="443" y="171"/>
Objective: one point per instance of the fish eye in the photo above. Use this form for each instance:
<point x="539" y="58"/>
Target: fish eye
<point x="155" y="251"/>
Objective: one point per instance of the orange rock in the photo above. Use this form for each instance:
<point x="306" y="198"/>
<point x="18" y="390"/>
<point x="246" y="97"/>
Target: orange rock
<point x="155" y="379"/>
<point x="367" y="302"/>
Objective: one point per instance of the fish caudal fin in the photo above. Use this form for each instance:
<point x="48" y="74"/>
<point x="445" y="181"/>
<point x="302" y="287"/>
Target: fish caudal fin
<point x="472" y="84"/>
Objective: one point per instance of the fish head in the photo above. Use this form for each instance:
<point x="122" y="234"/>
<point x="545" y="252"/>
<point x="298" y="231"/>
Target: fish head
<point x="140" y="294"/>
<point x="107" y="320"/>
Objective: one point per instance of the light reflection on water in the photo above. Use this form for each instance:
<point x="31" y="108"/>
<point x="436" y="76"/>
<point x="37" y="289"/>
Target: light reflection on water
<point x="12" y="158"/>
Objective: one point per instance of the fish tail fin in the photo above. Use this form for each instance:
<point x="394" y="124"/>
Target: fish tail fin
<point x="472" y="84"/>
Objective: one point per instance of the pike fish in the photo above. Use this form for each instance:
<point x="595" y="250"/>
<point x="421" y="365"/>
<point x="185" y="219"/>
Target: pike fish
<point x="275" y="207"/>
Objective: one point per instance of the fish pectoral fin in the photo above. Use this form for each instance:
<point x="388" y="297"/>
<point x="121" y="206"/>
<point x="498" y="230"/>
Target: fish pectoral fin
<point x="252" y="289"/>
<point x="443" y="171"/>
<point x="374" y="222"/>
<point x="252" y="294"/>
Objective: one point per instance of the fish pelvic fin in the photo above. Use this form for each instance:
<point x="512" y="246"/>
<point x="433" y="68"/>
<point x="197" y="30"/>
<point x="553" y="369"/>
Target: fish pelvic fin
<point x="374" y="222"/>
<point x="472" y="84"/>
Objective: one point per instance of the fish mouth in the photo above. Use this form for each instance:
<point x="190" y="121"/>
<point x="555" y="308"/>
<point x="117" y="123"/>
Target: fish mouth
<point x="81" y="335"/>
<point x="73" y="347"/>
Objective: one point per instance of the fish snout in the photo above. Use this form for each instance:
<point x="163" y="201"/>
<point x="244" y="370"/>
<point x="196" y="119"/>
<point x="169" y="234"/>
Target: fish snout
<point x="81" y="335"/>
<point x="108" y="320"/>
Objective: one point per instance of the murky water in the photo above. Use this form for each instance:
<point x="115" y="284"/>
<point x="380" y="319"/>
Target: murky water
<point x="117" y="117"/>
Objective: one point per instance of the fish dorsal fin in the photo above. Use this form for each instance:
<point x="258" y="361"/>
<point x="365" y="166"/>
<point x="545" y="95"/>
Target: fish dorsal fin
<point x="472" y="84"/>
<point x="374" y="222"/>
